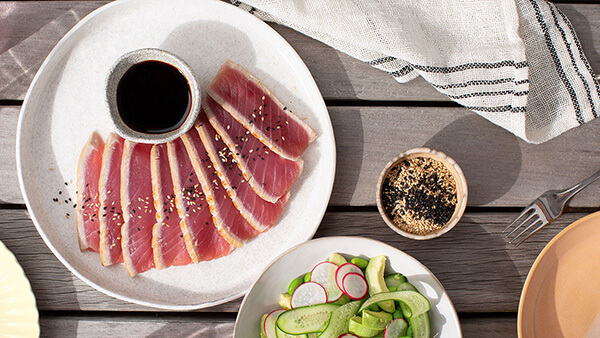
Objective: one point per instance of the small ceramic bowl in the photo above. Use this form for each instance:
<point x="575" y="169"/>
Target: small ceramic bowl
<point x="122" y="65"/>
<point x="461" y="191"/>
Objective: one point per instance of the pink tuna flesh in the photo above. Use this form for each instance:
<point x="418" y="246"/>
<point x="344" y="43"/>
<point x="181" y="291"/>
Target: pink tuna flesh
<point x="111" y="219"/>
<point x="261" y="214"/>
<point x="167" y="239"/>
<point x="202" y="239"/>
<point x="230" y="223"/>
<point x="270" y="175"/>
<point x="255" y="107"/>
<point x="138" y="208"/>
<point x="88" y="199"/>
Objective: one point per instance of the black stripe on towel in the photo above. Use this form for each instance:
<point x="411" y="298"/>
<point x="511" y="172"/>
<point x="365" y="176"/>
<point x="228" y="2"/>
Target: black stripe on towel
<point x="563" y="34"/>
<point x="468" y="66"/>
<point x="556" y="60"/>
<point x="478" y="94"/>
<point x="401" y="72"/>
<point x="582" y="57"/>
<point x="382" y="60"/>
<point x="480" y="83"/>
<point x="498" y="109"/>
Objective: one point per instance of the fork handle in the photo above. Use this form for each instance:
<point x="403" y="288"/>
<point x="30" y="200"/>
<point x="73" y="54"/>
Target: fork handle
<point x="567" y="194"/>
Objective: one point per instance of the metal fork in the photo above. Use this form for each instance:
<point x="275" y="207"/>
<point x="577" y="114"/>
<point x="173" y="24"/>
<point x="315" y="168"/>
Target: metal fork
<point x="545" y="209"/>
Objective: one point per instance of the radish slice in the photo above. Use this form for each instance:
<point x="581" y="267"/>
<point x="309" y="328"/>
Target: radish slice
<point x="355" y="285"/>
<point x="309" y="293"/>
<point x="396" y="328"/>
<point x="324" y="274"/>
<point x="271" y="322"/>
<point x="348" y="335"/>
<point x="341" y="272"/>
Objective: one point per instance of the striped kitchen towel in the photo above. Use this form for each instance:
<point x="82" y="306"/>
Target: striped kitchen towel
<point x="517" y="63"/>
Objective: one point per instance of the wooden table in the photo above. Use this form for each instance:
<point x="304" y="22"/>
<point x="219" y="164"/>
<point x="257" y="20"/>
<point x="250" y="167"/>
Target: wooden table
<point x="374" y="118"/>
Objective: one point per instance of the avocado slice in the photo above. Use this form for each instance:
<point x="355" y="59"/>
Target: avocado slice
<point x="374" y="275"/>
<point x="337" y="259"/>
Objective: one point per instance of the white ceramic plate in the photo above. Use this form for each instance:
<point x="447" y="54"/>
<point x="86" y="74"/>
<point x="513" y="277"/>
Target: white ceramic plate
<point x="65" y="103"/>
<point x="264" y="295"/>
<point x="560" y="295"/>
<point x="18" y="314"/>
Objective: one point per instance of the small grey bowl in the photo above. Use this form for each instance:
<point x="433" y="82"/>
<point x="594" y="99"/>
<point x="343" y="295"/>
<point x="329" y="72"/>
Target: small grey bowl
<point x="122" y="65"/>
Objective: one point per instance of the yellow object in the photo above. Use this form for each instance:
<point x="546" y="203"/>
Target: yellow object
<point x="18" y="312"/>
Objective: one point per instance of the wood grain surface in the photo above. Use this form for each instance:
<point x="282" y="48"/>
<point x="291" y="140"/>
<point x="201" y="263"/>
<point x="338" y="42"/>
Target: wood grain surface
<point x="374" y="119"/>
<point x="496" y="271"/>
<point x="501" y="169"/>
<point x="32" y="28"/>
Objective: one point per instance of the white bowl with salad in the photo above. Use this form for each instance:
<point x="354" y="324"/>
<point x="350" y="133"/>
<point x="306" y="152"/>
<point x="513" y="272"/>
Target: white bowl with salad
<point x="346" y="287"/>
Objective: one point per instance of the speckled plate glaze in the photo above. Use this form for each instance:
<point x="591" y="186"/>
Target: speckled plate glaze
<point x="264" y="295"/>
<point x="18" y="313"/>
<point x="65" y="103"/>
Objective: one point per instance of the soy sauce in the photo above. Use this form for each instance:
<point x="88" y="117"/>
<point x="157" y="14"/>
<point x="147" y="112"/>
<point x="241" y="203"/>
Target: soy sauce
<point x="153" y="97"/>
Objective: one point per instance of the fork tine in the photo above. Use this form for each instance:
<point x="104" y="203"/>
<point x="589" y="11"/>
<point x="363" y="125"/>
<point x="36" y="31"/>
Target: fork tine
<point x="531" y="234"/>
<point x="525" y="221"/>
<point x="523" y="213"/>
<point x="526" y="229"/>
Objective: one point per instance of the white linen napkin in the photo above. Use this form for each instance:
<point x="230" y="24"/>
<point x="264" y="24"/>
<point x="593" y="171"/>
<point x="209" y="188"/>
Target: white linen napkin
<point x="517" y="63"/>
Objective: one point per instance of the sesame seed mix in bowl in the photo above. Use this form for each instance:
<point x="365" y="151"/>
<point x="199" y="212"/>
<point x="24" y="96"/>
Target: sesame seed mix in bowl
<point x="419" y="195"/>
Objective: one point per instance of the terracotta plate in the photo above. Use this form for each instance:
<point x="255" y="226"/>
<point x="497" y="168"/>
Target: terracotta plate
<point x="562" y="292"/>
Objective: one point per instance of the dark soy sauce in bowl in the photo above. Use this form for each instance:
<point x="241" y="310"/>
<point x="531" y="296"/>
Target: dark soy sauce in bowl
<point x="153" y="97"/>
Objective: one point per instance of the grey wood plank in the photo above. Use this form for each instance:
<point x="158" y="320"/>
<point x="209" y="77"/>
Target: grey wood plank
<point x="480" y="271"/>
<point x="32" y="28"/>
<point x="190" y="326"/>
<point x="501" y="170"/>
<point x="92" y="326"/>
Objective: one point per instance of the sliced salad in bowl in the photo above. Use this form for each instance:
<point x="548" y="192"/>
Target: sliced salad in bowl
<point x="346" y="287"/>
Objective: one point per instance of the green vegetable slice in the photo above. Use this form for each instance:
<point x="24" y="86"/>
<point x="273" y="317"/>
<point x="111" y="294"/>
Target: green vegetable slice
<point x="376" y="320"/>
<point x="420" y="325"/>
<point x="356" y="327"/>
<point x="416" y="302"/>
<point x="374" y="276"/>
<point x="340" y="319"/>
<point x="306" y="319"/>
<point x="394" y="279"/>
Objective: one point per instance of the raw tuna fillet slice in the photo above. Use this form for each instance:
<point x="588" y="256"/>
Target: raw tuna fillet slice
<point x="138" y="208"/>
<point x="227" y="218"/>
<point x="88" y="172"/>
<point x="260" y="213"/>
<point x="254" y="106"/>
<point x="111" y="219"/>
<point x="270" y="175"/>
<point x="167" y="239"/>
<point x="202" y="239"/>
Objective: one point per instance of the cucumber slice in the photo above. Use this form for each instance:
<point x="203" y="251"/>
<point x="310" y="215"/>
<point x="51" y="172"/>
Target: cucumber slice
<point x="421" y="327"/>
<point x="394" y="279"/>
<point x="376" y="320"/>
<point x="281" y="334"/>
<point x="356" y="327"/>
<point x="307" y="319"/>
<point x="406" y="312"/>
<point x="416" y="302"/>
<point x="343" y="300"/>
<point x="340" y="319"/>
